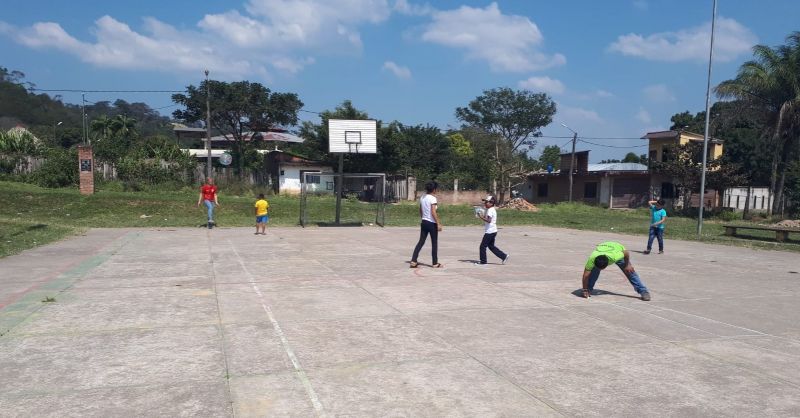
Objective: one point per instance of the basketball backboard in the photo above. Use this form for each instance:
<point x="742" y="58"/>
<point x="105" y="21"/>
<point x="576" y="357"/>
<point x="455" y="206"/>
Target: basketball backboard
<point x="352" y="136"/>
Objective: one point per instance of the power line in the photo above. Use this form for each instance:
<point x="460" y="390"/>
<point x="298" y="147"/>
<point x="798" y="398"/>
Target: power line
<point x="612" y="146"/>
<point x="108" y="91"/>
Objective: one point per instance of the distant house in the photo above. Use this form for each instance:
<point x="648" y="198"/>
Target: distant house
<point x="662" y="147"/>
<point x="193" y="140"/>
<point x="289" y="170"/>
<point x="615" y="185"/>
<point x="629" y="185"/>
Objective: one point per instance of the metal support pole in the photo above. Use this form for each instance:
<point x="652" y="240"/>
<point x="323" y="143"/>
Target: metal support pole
<point x="83" y="118"/>
<point x="708" y="117"/>
<point x="340" y="176"/>
<point x="572" y="164"/>
<point x="208" y="127"/>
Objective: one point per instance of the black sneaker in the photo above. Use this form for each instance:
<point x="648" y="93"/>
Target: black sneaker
<point x="645" y="296"/>
<point x="506" y="259"/>
<point x="645" y="252"/>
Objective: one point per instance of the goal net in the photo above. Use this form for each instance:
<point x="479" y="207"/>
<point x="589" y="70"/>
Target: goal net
<point x="362" y="201"/>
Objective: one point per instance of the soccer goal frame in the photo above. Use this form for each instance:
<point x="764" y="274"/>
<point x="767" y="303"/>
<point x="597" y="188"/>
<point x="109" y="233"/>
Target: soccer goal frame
<point x="319" y="190"/>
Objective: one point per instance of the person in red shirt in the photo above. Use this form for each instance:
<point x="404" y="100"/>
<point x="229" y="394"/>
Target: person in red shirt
<point x="208" y="197"/>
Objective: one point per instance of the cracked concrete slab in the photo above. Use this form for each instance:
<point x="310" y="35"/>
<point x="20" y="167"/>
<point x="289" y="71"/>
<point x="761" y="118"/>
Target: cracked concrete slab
<point x="333" y="322"/>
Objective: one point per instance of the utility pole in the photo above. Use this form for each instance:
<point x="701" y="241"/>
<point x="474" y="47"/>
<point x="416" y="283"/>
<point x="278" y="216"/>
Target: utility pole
<point x="708" y="116"/>
<point x="83" y="118"/>
<point x="572" y="159"/>
<point x="208" y="127"/>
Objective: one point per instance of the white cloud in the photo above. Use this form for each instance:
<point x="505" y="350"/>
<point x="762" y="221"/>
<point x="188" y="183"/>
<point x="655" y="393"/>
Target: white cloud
<point x="643" y="116"/>
<point x="603" y="94"/>
<point x="271" y="35"/>
<point x="658" y="93"/>
<point x="506" y="42"/>
<point x="731" y="39"/>
<point x="397" y="70"/>
<point x="578" y="116"/>
<point x="406" y="8"/>
<point x="545" y="84"/>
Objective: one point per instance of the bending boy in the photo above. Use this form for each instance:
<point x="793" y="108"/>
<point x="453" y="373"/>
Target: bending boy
<point x="607" y="253"/>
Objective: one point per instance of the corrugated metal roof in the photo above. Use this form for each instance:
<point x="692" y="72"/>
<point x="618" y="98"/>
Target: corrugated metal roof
<point x="618" y="167"/>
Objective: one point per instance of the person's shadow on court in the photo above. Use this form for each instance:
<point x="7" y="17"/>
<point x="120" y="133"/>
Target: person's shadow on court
<point x="597" y="292"/>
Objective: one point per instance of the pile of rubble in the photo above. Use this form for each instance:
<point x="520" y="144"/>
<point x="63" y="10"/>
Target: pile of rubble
<point x="519" y="203"/>
<point x="788" y="223"/>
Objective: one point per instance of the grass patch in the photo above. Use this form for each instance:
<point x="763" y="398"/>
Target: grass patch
<point x="17" y="236"/>
<point x="34" y="216"/>
<point x="48" y="299"/>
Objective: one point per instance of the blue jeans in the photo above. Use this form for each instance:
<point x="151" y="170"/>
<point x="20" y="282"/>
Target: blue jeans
<point x="488" y="242"/>
<point x="210" y="206"/>
<point x="632" y="277"/>
<point x="656" y="232"/>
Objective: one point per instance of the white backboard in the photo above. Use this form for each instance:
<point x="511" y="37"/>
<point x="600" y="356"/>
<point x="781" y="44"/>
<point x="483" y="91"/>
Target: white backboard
<point x="352" y="136"/>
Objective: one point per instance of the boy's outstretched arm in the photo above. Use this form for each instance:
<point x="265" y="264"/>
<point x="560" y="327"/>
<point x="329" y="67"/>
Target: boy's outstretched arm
<point x="585" y="283"/>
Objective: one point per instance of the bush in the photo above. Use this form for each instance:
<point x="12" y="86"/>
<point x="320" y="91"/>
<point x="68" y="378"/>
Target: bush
<point x="60" y="169"/>
<point x="730" y="215"/>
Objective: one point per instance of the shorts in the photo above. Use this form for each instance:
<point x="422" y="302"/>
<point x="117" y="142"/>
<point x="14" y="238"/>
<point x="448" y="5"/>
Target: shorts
<point x="262" y="219"/>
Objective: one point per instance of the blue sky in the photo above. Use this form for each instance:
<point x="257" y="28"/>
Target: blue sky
<point x="616" y="68"/>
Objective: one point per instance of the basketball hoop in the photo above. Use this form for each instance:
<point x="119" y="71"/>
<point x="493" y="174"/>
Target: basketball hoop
<point x="353" y="140"/>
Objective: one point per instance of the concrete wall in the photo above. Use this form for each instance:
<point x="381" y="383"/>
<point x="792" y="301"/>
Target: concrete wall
<point x="289" y="177"/>
<point x="450" y="197"/>
<point x="735" y="198"/>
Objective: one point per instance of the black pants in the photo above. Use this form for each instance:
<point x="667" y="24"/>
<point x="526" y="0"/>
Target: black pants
<point x="488" y="242"/>
<point x="425" y="228"/>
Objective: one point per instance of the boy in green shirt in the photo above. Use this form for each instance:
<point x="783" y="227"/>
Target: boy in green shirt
<point x="607" y="253"/>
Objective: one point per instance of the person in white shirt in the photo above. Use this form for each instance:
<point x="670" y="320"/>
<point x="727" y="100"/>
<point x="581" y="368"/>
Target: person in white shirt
<point x="489" y="218"/>
<point x="430" y="224"/>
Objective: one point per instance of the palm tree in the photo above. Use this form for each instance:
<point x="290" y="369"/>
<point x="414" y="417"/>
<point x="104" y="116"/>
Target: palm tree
<point x="769" y="85"/>
<point x="101" y="127"/>
<point x="123" y="125"/>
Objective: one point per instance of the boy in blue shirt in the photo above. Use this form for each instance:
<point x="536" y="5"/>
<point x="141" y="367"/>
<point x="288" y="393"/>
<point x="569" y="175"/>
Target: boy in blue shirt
<point x="657" y="217"/>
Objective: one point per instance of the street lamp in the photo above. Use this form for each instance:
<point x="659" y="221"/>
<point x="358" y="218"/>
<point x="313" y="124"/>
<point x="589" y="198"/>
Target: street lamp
<point x="572" y="159"/>
<point x="55" y="138"/>
<point x="708" y="115"/>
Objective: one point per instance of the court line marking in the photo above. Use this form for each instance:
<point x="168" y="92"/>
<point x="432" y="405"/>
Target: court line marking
<point x="312" y="395"/>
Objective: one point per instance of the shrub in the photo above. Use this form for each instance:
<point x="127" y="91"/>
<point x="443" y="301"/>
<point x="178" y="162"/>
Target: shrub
<point x="730" y="215"/>
<point x="60" y="169"/>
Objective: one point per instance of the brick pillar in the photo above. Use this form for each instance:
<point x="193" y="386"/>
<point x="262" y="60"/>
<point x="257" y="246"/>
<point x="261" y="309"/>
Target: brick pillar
<point x="86" y="168"/>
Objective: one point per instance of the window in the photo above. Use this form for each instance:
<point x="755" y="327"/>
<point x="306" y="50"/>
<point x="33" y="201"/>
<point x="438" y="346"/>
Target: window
<point x="314" y="179"/>
<point x="653" y="157"/>
<point x="667" y="191"/>
<point x="541" y="190"/>
<point x="590" y="190"/>
<point x="666" y="154"/>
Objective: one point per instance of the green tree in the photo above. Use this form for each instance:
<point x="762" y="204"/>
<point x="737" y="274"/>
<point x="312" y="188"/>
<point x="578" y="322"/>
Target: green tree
<point x="685" y="121"/>
<point x="515" y="117"/>
<point x="686" y="168"/>
<point x="770" y="85"/>
<point x="551" y="156"/>
<point x="238" y="108"/>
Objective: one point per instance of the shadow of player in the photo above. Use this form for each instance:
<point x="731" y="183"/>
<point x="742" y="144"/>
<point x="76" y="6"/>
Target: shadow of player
<point x="597" y="292"/>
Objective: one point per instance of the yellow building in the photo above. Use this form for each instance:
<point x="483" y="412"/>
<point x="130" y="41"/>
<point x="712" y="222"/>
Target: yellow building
<point x="662" y="147"/>
<point x="663" y="144"/>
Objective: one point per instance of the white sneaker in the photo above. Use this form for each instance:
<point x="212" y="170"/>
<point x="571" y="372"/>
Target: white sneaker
<point x="478" y="263"/>
<point x="506" y="259"/>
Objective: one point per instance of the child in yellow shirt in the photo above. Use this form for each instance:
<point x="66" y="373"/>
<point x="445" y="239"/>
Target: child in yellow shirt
<point x="262" y="209"/>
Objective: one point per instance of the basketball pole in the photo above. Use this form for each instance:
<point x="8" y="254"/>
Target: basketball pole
<point x="339" y="189"/>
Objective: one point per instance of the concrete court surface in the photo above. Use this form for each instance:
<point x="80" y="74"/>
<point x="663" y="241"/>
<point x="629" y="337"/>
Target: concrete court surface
<point x="332" y="322"/>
